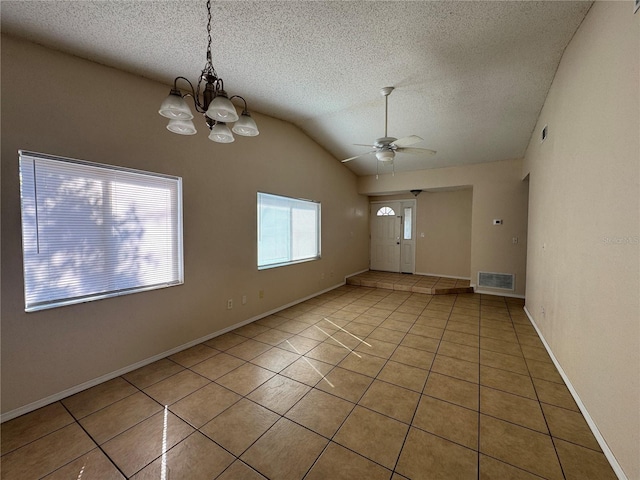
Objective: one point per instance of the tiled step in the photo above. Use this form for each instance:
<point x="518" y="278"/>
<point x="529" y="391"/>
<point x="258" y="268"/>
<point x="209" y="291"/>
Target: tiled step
<point x="411" y="283"/>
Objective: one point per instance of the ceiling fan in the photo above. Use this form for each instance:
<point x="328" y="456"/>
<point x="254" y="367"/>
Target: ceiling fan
<point x="385" y="148"/>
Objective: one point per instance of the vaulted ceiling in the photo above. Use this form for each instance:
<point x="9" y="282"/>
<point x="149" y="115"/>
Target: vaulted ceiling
<point x="470" y="77"/>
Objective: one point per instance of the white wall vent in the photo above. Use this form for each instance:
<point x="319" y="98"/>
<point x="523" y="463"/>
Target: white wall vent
<point x="503" y="281"/>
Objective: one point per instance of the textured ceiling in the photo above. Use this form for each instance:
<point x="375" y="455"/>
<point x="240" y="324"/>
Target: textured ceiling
<point x="470" y="77"/>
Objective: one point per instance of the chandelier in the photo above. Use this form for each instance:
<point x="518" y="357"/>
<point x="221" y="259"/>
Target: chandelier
<point x="209" y="99"/>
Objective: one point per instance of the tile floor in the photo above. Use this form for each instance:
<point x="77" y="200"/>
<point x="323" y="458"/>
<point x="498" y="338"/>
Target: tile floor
<point x="411" y="283"/>
<point x="358" y="383"/>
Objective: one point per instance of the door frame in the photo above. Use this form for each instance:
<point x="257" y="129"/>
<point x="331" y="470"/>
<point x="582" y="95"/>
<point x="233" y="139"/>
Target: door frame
<point x="404" y="244"/>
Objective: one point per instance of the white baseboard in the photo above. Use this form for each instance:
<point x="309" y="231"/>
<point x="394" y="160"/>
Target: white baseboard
<point x="499" y="294"/>
<point x="109" y="376"/>
<point x="583" y="409"/>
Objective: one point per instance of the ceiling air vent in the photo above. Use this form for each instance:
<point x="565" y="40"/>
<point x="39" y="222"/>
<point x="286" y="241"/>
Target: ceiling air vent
<point x="503" y="281"/>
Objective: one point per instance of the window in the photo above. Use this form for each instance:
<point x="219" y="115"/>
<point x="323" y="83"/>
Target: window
<point x="93" y="231"/>
<point x="288" y="230"/>
<point x="385" y="212"/>
<point x="407" y="223"/>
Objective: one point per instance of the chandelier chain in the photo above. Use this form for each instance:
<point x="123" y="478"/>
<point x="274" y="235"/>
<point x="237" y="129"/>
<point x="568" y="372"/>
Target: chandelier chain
<point x="209" y="30"/>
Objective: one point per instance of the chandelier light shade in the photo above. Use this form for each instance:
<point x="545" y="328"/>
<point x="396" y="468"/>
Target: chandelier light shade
<point x="385" y="155"/>
<point x="210" y="100"/>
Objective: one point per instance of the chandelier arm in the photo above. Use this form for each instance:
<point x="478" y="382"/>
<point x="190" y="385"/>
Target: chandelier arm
<point x="245" y="110"/>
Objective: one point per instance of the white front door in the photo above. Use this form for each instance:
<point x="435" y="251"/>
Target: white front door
<point x="385" y="236"/>
<point x="393" y="236"/>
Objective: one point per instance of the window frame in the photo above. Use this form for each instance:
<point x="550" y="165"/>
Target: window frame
<point x="131" y="179"/>
<point x="318" y="234"/>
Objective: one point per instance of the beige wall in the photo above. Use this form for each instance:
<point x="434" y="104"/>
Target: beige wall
<point x="62" y="105"/>
<point x="445" y="220"/>
<point x="498" y="192"/>
<point x="583" y="262"/>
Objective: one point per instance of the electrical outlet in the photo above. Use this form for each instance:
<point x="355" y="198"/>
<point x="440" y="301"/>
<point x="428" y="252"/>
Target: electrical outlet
<point x="261" y="294"/>
<point x="244" y="299"/>
<point x="230" y="304"/>
<point x="514" y="240"/>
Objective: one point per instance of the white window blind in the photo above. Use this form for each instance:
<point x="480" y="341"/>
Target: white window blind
<point x="288" y="230"/>
<point x="92" y="231"/>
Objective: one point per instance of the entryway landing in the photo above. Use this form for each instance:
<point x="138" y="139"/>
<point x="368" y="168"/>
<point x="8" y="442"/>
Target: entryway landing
<point x="407" y="282"/>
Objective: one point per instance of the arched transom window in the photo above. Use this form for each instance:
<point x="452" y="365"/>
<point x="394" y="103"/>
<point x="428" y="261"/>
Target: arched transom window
<point x="385" y="211"/>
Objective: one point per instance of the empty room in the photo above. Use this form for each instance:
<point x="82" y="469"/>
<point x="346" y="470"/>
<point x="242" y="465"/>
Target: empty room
<point x="320" y="240"/>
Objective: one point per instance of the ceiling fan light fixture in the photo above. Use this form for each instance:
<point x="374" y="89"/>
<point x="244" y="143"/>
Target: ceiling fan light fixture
<point x="385" y="156"/>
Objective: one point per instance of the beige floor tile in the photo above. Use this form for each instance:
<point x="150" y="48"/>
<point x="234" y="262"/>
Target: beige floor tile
<point x="459" y="351"/>
<point x="239" y="426"/>
<point x="338" y="463"/>
<point x="535" y="353"/>
<point x="320" y="412"/>
<point x="555" y="394"/>
<point x="435" y="322"/>
<point x="570" y="426"/>
<point x="345" y="384"/>
<point x="298" y="344"/>
<point x="120" y="416"/>
<point x="93" y="399"/>
<point x="94" y="464"/>
<point x="31" y="426"/>
<point x="217" y="366"/>
<point x="500" y="346"/>
<point x="461" y="338"/>
<point x="454" y="367"/>
<point x="272" y="321"/>
<point x="507" y="381"/>
<point x="544" y="370"/>
<point x="178" y="386"/>
<point x="48" y="453"/>
<point x="427" y="331"/>
<point x="376" y="347"/>
<point x="363" y="363"/>
<point x="246" y="378"/>
<point x="360" y="330"/>
<point x="204" y="404"/>
<point x="240" y="471"/>
<point x="272" y="337"/>
<point x="504" y="334"/>
<point x="371" y="320"/>
<point x="421" y="343"/>
<point x="293" y="327"/>
<point x="396" y="325"/>
<point x="286" y="451"/>
<point x="453" y="390"/>
<point x="248" y="350"/>
<point x="153" y="373"/>
<point x="135" y="448"/>
<point x="580" y="463"/>
<point x="503" y="361"/>
<point x="512" y="408"/>
<point x="226" y="341"/>
<point x="251" y="330"/>
<point x="426" y="456"/>
<point x="391" y="400"/>
<point x="279" y="393"/>
<point x="413" y="357"/>
<point x="492" y="469"/>
<point x="194" y="458"/>
<point x="317" y="333"/>
<point x="447" y="420"/>
<point x="387" y="335"/>
<point x="531" y="340"/>
<point x="470" y="328"/>
<point x="373" y="435"/>
<point x="344" y="340"/>
<point x="328" y="353"/>
<point x="519" y="446"/>
<point x="307" y="371"/>
<point x="193" y="355"/>
<point x="275" y="359"/>
<point x="405" y="376"/>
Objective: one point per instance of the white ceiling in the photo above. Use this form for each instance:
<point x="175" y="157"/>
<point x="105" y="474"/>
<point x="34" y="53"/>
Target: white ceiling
<point x="470" y="77"/>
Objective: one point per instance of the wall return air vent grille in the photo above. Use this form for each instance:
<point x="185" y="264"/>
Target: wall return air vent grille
<point x="503" y="281"/>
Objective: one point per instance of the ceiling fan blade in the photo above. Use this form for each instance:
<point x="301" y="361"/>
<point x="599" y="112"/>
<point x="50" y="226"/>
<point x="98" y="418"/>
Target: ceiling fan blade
<point x="357" y="156"/>
<point x="416" y="151"/>
<point x="406" y="141"/>
<point x="361" y="145"/>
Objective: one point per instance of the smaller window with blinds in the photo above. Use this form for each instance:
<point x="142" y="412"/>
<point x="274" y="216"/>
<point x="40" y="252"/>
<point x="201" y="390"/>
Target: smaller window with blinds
<point x="288" y="230"/>
<point x="92" y="231"/>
